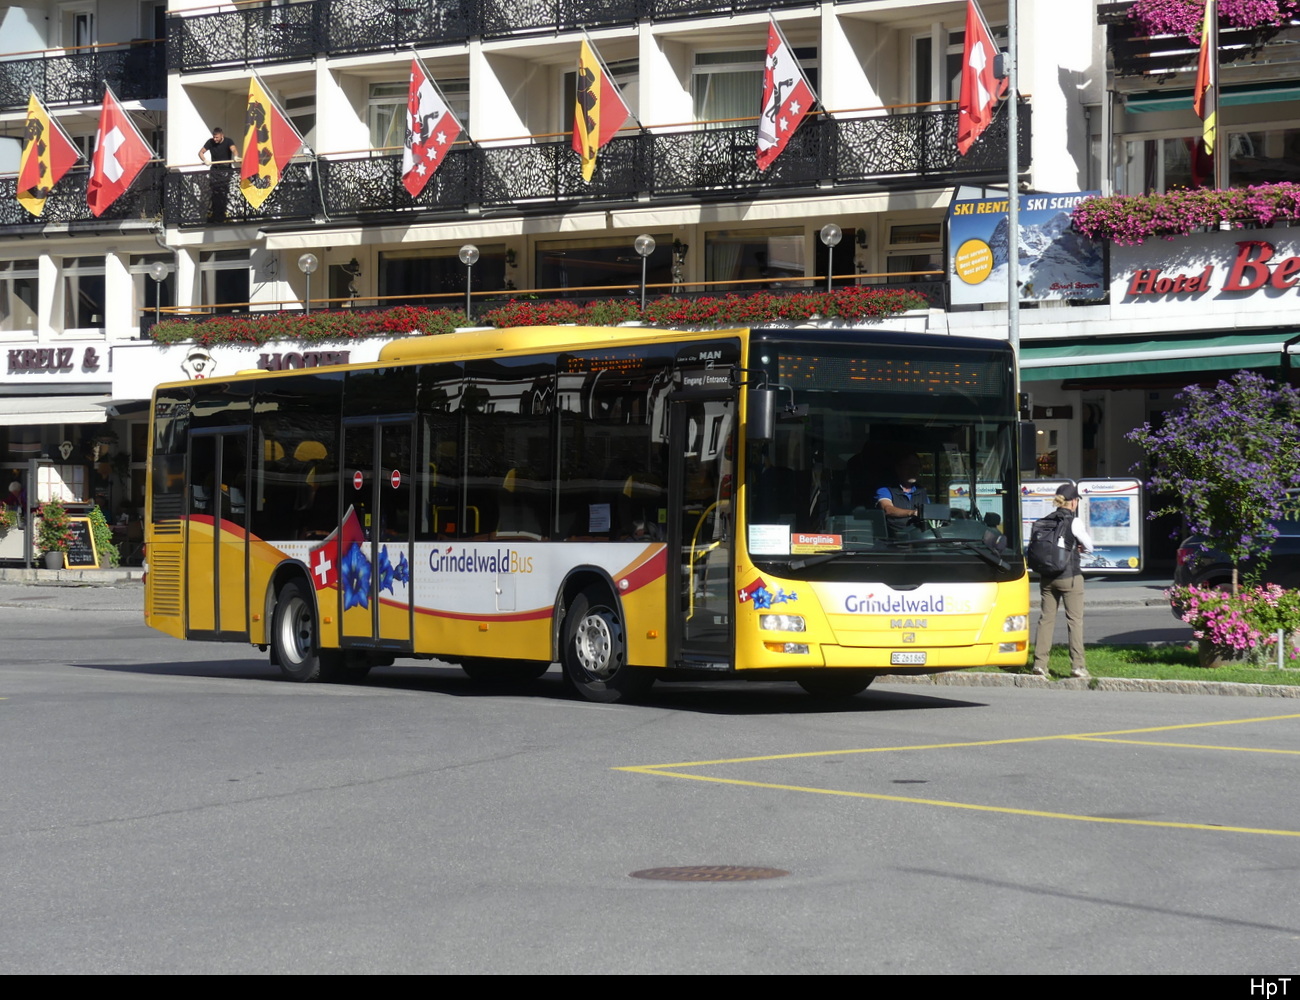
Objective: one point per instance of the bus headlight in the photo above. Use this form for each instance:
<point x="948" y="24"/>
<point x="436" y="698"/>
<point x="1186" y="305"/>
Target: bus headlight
<point x="1015" y="623"/>
<point x="786" y="647"/>
<point x="782" y="623"/>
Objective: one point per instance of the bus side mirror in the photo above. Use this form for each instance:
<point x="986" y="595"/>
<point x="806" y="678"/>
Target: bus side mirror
<point x="760" y="420"/>
<point x="1028" y="446"/>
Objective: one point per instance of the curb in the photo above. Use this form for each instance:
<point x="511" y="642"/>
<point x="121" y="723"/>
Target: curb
<point x="953" y="679"/>
<point x="73" y="577"/>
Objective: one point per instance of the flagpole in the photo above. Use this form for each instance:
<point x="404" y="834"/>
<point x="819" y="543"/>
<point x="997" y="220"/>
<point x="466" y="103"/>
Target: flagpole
<point x="1013" y="198"/>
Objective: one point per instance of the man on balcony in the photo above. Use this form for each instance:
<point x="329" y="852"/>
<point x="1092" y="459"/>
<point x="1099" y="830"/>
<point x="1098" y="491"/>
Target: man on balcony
<point x="221" y="155"/>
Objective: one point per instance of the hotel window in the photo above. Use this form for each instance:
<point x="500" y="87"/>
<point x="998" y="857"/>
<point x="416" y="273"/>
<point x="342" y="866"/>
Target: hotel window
<point x="936" y="61"/>
<point x="728" y="85"/>
<point x="224" y="278"/>
<point x="420" y="273"/>
<point x="83" y="293"/>
<point x="387" y="104"/>
<point x="150" y="293"/>
<point x="579" y="264"/>
<point x="1266" y="156"/>
<point x="913" y="247"/>
<point x="751" y="255"/>
<point x="626" y="77"/>
<point x="18" y="287"/>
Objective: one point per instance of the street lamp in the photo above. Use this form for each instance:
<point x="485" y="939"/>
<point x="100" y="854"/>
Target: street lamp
<point x="468" y="256"/>
<point x="157" y="271"/>
<point x="645" y="246"/>
<point x="831" y="235"/>
<point x="307" y="264"/>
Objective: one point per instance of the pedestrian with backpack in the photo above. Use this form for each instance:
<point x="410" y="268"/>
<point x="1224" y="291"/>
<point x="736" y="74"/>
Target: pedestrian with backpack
<point x="1060" y="579"/>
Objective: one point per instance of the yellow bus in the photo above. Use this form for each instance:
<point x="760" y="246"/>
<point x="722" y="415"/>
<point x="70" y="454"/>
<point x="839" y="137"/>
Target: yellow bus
<point x="634" y="504"/>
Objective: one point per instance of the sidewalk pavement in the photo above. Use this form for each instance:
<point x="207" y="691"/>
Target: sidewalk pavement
<point x="114" y="577"/>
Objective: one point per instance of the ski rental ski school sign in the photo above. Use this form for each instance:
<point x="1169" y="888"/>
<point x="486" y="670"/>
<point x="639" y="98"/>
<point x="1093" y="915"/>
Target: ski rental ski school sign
<point x="1055" y="261"/>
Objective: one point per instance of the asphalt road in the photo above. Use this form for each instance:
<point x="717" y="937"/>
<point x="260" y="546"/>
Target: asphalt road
<point x="175" y="807"/>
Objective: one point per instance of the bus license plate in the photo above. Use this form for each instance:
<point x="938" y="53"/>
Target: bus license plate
<point x="910" y="657"/>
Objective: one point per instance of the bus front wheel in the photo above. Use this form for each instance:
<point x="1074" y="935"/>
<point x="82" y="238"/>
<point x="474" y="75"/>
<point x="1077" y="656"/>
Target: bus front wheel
<point x="295" y="637"/>
<point x="595" y="651"/>
<point x="837" y="683"/>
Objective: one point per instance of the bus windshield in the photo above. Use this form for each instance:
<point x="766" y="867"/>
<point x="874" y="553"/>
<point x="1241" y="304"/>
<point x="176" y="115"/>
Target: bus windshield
<point x="853" y="430"/>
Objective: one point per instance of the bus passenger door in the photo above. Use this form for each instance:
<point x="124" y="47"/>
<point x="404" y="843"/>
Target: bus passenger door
<point x="375" y="537"/>
<point x="217" y="549"/>
<point x="700" y="523"/>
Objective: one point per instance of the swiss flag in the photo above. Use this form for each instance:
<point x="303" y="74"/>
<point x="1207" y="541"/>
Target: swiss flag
<point x="323" y="559"/>
<point x="787" y="98"/>
<point x="120" y="154"/>
<point x="431" y="129"/>
<point x="980" y="89"/>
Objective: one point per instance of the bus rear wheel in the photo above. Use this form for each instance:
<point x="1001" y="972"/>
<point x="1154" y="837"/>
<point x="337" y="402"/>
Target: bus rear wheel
<point x="595" y="652"/>
<point x="837" y="684"/>
<point x="295" y="638"/>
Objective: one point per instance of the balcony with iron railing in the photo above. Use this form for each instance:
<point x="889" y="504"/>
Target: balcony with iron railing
<point x="66" y="204"/>
<point x="907" y="146"/>
<point x="207" y="39"/>
<point x="137" y="71"/>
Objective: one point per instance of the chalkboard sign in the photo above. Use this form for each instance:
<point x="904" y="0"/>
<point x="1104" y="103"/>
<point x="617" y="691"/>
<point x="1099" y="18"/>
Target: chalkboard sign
<point x="81" y="553"/>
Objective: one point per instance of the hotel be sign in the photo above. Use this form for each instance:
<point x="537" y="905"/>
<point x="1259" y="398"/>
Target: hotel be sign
<point x="1256" y="265"/>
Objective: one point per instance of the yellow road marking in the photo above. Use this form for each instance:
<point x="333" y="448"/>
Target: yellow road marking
<point x="1039" y="813"/>
<point x="667" y="771"/>
<point x="974" y="743"/>
<point x="1184" y="746"/>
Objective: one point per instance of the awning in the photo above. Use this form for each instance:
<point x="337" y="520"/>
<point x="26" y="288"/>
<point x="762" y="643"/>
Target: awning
<point x="1181" y="100"/>
<point x="16" y="411"/>
<point x="1098" y="359"/>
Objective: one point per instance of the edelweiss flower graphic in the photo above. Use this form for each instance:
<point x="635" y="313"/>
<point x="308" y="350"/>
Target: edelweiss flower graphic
<point x="355" y="576"/>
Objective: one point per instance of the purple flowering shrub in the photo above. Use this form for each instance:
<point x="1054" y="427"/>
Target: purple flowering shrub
<point x="1226" y="460"/>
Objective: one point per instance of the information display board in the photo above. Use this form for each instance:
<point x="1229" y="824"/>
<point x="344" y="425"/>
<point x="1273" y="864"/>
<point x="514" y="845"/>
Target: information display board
<point x="81" y="554"/>
<point x="1111" y="511"/>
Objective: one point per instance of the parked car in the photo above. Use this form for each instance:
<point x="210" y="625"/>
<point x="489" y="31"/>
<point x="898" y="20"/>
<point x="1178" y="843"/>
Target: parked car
<point x="1207" y="567"/>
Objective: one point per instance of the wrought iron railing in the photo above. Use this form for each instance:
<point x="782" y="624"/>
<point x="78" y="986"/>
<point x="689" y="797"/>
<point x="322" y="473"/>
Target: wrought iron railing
<point x="213" y="198"/>
<point x="136" y="72"/>
<point x="250" y="35"/>
<point x="67" y="202"/>
<point x="696" y="165"/>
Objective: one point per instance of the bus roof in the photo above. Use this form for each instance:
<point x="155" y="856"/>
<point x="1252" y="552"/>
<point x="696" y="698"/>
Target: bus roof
<point x="526" y="339"/>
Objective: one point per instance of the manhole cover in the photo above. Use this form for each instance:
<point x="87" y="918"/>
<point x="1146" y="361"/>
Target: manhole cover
<point x="708" y="873"/>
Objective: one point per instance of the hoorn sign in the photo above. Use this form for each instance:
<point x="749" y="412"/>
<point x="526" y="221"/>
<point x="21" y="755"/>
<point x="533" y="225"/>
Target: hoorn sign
<point x="1255" y="266"/>
<point x="51" y="359"/>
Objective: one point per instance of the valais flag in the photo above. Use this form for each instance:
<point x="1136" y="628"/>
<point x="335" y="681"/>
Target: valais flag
<point x="431" y="128"/>
<point x="980" y="89"/>
<point x="120" y="154"/>
<point x="786" y="97"/>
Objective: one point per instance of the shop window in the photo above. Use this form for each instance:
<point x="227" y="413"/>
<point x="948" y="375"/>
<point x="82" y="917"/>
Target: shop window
<point x="407" y="277"/>
<point x="1161" y="164"/>
<point x="729" y="85"/>
<point x="386" y="110"/>
<point x="224" y="278"/>
<point x="18" y="288"/>
<point x="575" y="266"/>
<point x="732" y="255"/>
<point x="83" y="293"/>
<point x="1263" y="157"/>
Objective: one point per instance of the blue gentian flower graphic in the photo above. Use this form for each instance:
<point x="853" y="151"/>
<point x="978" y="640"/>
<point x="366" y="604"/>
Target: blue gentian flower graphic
<point x="355" y="576"/>
<point x="385" y="571"/>
<point x="402" y="573"/>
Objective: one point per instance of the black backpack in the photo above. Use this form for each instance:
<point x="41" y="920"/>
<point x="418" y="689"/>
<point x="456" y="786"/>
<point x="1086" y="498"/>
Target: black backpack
<point x="1046" y="552"/>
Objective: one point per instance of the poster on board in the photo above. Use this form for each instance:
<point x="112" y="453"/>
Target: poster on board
<point x="1111" y="511"/>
